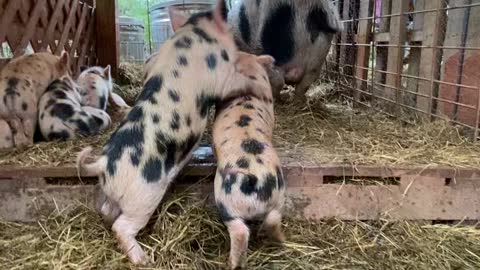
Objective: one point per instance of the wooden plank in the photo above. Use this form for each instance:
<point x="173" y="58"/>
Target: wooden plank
<point x="398" y="35"/>
<point x="107" y="30"/>
<point x="413" y="198"/>
<point x="381" y="52"/>
<point x="195" y="168"/>
<point x="364" y="36"/>
<point x="431" y="57"/>
<point x="86" y="42"/>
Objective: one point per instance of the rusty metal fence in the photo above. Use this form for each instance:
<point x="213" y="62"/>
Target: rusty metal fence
<point x="415" y="60"/>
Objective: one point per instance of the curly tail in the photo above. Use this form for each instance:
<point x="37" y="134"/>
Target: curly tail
<point x="96" y="168"/>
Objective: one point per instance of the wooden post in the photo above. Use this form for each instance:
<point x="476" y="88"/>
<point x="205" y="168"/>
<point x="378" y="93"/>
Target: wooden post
<point x="398" y="34"/>
<point x="363" y="54"/>
<point x="108" y="40"/>
<point x="381" y="52"/>
<point x="415" y="56"/>
<point x="430" y="61"/>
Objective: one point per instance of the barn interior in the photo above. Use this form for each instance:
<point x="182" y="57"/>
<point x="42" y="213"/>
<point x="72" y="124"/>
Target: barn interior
<point x="382" y="161"/>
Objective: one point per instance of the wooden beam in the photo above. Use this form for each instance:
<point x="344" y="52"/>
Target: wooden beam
<point x="363" y="54"/>
<point x="433" y="29"/>
<point x="296" y="173"/>
<point x="398" y="36"/>
<point x="108" y="39"/>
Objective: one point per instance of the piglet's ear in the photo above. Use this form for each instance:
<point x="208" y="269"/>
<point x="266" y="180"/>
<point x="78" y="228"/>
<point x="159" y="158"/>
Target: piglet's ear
<point x="220" y="16"/>
<point x="266" y="60"/>
<point x="177" y="18"/>
<point x="106" y="72"/>
<point x="83" y="68"/>
<point x="63" y="64"/>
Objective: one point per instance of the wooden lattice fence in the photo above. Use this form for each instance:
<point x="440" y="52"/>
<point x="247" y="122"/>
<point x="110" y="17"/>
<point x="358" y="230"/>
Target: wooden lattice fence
<point x="55" y="26"/>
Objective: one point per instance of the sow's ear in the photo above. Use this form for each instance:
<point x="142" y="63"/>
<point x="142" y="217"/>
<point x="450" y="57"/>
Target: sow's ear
<point x="177" y="18"/>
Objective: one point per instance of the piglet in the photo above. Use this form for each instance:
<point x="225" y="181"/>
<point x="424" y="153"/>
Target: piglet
<point x="192" y="70"/>
<point x="249" y="182"/>
<point x="95" y="86"/>
<point x="96" y="89"/>
<point x="22" y="82"/>
<point x="62" y="116"/>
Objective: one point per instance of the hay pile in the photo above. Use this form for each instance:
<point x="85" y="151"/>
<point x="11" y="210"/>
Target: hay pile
<point x="323" y="131"/>
<point x="186" y="236"/>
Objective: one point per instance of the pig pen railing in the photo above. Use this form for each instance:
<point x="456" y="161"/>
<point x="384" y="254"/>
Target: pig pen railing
<point x="411" y="59"/>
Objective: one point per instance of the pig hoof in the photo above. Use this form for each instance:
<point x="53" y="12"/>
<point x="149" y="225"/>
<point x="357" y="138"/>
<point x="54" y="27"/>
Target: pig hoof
<point x="137" y="256"/>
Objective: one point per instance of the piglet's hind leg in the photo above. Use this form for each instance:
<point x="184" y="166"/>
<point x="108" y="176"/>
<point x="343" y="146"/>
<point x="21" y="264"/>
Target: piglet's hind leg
<point x="239" y="234"/>
<point x="126" y="228"/>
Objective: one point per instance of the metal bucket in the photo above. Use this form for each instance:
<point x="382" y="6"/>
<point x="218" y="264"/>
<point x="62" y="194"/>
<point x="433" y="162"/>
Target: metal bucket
<point x="132" y="39"/>
<point x="160" y="26"/>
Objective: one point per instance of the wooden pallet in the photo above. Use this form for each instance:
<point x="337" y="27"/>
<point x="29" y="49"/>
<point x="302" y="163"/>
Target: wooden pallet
<point x="320" y="192"/>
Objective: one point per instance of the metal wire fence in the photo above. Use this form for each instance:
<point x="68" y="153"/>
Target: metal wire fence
<point x="411" y="59"/>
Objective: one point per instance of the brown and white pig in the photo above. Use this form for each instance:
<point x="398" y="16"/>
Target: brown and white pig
<point x="296" y="33"/>
<point x="249" y="183"/>
<point x="22" y="82"/>
<point x="62" y="116"/>
<point x="193" y="69"/>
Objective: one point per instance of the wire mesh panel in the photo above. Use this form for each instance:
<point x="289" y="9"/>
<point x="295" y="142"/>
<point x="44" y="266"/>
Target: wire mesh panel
<point x="412" y="59"/>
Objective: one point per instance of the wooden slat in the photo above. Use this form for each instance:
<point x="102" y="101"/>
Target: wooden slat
<point x="80" y="30"/>
<point x="297" y="173"/>
<point x="364" y="36"/>
<point x="431" y="58"/>
<point x="30" y="27"/>
<point x="87" y="42"/>
<point x="420" y="194"/>
<point x="6" y="20"/>
<point x="107" y="32"/>
<point x="51" y="25"/>
<point x="398" y="34"/>
<point x="66" y="30"/>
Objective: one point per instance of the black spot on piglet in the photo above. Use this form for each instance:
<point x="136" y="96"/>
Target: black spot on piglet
<point x="62" y="111"/>
<point x="152" y="170"/>
<point x="183" y="43"/>
<point x="252" y="146"/>
<point x="153" y="85"/>
<point x="211" y="60"/>
<point x="244" y="121"/>
<point x="223" y="212"/>
<point x="243" y="163"/>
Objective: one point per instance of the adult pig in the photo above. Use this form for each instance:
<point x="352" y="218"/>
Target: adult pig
<point x="297" y="33"/>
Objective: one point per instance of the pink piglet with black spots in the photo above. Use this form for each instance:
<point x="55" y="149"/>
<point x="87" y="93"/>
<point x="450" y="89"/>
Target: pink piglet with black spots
<point x="249" y="183"/>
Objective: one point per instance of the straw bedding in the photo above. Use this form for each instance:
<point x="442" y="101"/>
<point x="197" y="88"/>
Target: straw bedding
<point x="184" y="235"/>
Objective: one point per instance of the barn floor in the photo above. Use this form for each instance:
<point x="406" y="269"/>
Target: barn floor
<point x="189" y="237"/>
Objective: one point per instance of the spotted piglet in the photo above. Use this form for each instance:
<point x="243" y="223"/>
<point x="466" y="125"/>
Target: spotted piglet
<point x="96" y="90"/>
<point x="249" y="182"/>
<point x="62" y="116"/>
<point x="95" y="86"/>
<point x="193" y="69"/>
<point x="22" y="82"/>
